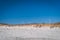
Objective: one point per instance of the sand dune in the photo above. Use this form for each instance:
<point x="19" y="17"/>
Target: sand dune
<point x="30" y="32"/>
<point x="32" y="25"/>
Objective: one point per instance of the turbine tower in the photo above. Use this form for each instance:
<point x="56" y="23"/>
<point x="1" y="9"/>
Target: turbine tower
<point x="49" y="21"/>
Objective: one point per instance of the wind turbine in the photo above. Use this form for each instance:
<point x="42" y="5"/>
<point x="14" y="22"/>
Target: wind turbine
<point x="49" y="20"/>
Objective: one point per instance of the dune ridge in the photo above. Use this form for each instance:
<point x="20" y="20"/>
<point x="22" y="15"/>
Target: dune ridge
<point x="32" y="25"/>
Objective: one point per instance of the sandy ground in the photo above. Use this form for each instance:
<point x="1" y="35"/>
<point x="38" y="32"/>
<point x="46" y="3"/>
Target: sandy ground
<point x="16" y="33"/>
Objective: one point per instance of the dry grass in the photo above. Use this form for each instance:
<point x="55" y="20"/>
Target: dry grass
<point x="33" y="25"/>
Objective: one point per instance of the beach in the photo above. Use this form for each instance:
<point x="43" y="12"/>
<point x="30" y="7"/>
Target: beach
<point x="29" y="33"/>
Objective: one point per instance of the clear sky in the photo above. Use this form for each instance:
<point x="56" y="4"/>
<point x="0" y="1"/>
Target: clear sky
<point x="29" y="11"/>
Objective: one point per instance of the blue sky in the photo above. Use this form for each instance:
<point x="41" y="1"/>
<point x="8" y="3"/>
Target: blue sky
<point x="29" y="11"/>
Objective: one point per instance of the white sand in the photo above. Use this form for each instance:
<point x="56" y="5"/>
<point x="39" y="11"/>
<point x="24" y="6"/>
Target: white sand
<point x="44" y="32"/>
